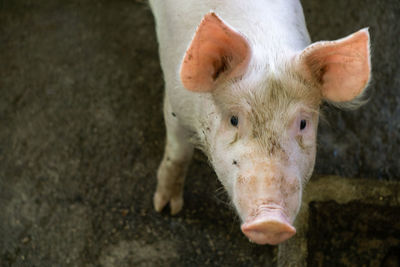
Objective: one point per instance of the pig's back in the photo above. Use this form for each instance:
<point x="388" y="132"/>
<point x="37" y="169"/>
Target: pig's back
<point x="271" y="27"/>
<point x="268" y="24"/>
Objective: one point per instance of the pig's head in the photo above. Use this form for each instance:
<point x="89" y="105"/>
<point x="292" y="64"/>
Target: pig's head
<point x="260" y="133"/>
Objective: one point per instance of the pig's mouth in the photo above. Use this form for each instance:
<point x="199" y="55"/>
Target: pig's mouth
<point x="268" y="225"/>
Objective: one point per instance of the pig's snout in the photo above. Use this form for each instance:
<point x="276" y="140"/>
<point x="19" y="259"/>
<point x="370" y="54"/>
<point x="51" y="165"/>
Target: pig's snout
<point x="269" y="226"/>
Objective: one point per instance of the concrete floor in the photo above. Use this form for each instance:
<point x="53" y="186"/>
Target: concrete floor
<point x="81" y="135"/>
<point x="346" y="222"/>
<point x="363" y="143"/>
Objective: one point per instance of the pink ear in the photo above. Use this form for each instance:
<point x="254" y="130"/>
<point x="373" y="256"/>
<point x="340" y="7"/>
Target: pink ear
<point x="341" y="68"/>
<point x="216" y="51"/>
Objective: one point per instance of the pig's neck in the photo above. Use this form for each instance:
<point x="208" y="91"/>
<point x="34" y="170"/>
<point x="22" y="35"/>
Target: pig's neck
<point x="270" y="26"/>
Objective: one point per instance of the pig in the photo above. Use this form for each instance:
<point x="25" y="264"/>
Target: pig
<point x="244" y="84"/>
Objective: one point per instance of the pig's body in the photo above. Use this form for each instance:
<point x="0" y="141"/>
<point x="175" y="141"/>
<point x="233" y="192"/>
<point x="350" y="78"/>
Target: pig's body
<point x="275" y="29"/>
<point x="242" y="86"/>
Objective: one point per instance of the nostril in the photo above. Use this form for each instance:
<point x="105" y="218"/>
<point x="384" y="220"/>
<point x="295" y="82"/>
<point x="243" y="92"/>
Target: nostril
<point x="269" y="232"/>
<point x="268" y="228"/>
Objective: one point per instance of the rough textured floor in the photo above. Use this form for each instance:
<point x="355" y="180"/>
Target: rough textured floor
<point x="81" y="136"/>
<point x="372" y="238"/>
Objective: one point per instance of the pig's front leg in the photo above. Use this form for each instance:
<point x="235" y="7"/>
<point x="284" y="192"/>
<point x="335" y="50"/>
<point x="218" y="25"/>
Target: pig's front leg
<point x="172" y="170"/>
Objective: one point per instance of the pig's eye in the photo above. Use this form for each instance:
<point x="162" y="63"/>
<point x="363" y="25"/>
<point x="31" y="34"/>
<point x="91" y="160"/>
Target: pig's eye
<point x="234" y="120"/>
<point x="303" y="124"/>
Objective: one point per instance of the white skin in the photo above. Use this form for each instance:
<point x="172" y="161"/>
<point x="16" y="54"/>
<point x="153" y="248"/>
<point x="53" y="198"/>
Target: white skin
<point x="263" y="161"/>
<point x="257" y="121"/>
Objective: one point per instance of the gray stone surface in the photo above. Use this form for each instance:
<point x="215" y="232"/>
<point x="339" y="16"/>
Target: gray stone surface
<point x="365" y="142"/>
<point x="81" y="135"/>
<point x="346" y="222"/>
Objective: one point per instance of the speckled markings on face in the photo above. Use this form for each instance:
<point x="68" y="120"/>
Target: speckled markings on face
<point x="273" y="106"/>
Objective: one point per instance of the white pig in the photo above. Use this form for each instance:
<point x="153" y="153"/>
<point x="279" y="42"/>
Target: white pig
<point x="244" y="84"/>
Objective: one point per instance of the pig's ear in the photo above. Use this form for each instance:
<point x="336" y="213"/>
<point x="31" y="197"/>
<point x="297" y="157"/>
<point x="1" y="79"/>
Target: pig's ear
<point x="216" y="52"/>
<point x="340" y="68"/>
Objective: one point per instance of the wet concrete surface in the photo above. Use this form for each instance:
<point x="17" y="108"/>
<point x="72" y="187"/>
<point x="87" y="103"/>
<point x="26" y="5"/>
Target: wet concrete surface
<point x="353" y="234"/>
<point x="82" y="134"/>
